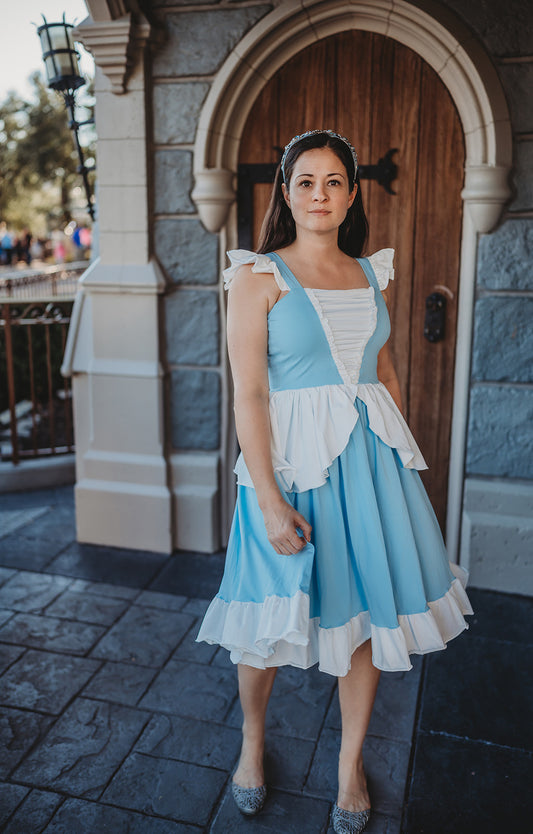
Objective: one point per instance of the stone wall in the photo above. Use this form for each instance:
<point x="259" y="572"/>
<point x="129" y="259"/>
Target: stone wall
<point x="500" y="441"/>
<point x="197" y="41"/>
<point x="198" y="38"/>
<point x="497" y="536"/>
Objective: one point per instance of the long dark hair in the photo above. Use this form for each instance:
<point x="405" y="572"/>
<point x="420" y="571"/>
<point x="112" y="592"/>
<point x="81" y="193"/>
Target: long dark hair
<point x="279" y="230"/>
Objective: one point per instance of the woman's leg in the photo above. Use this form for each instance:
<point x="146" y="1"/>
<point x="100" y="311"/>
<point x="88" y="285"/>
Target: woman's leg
<point x="255" y="686"/>
<point x="357" y="691"/>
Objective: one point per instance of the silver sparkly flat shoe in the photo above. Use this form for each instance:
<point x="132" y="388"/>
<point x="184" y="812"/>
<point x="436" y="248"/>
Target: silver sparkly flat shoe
<point x="249" y="801"/>
<point x="348" y="822"/>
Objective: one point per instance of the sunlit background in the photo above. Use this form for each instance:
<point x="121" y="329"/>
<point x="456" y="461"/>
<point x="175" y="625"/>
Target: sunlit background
<point x="20" y="51"/>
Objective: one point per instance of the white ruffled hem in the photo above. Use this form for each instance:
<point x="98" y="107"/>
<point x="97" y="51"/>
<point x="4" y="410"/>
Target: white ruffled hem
<point x="279" y="632"/>
<point x="310" y="427"/>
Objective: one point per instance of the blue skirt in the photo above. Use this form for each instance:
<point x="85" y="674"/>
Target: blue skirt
<point x="376" y="568"/>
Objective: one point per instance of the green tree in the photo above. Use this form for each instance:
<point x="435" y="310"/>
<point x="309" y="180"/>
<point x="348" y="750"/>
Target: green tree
<point x="37" y="157"/>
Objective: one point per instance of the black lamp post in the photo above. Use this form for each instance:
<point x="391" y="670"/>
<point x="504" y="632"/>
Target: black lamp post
<point x="63" y="75"/>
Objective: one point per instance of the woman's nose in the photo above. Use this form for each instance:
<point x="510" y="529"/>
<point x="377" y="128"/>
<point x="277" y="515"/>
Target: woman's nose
<point x="319" y="193"/>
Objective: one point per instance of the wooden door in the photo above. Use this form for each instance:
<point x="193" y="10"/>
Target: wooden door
<point x="382" y="95"/>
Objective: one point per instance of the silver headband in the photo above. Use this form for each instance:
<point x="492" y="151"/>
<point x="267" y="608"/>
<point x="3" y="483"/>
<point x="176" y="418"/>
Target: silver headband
<point x="301" y="136"/>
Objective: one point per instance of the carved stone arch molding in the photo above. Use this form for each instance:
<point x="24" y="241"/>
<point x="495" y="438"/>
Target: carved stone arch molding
<point x="434" y="33"/>
<point x="114" y="31"/>
<point x="444" y="42"/>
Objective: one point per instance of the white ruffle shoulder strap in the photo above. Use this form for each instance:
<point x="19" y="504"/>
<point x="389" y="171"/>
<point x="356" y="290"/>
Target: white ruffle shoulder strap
<point x="260" y="264"/>
<point x="381" y="262"/>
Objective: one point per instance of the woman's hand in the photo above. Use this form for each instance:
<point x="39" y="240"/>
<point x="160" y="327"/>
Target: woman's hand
<point x="281" y="522"/>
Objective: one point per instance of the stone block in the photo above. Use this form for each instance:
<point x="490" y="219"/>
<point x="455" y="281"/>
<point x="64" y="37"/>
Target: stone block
<point x="84" y="748"/>
<point x="196" y="575"/>
<point x="192" y="327"/>
<point x="10" y="797"/>
<point x="522" y="177"/>
<point x="176" y="111"/>
<point x="167" y="602"/>
<point x="173" y="182"/>
<point x="503" y="339"/>
<point x="501" y="616"/>
<point x="204" y="691"/>
<point x="78" y="817"/>
<point x="121" y="683"/>
<point x="19" y="731"/>
<point x="287" y="765"/>
<point x="187" y="252"/>
<point x="503" y="33"/>
<point x="5" y="574"/>
<point x="195" y="406"/>
<point x="482" y="787"/>
<point x="458" y="681"/>
<point x="45" y="681"/>
<point x="100" y="610"/>
<point x="517" y="80"/>
<point x="505" y="257"/>
<point x="394" y="709"/>
<point x="145" y="636"/>
<point x="81" y="586"/>
<point x="5" y="615"/>
<point x="12" y="520"/>
<point x="192" y="651"/>
<point x="135" y="568"/>
<point x="8" y="655"/>
<point x="386" y="764"/>
<point x="283" y="813"/>
<point x="34" y="813"/>
<point x="28" y="554"/>
<point x="500" y="432"/>
<point x="50" y="633"/>
<point x="298" y="703"/>
<point x="170" y="789"/>
<point x="198" y="742"/>
<point x="198" y="42"/>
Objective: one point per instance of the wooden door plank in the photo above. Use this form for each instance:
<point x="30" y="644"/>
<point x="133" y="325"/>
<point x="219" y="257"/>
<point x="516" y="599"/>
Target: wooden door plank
<point x="353" y="82"/>
<point x="396" y="85"/>
<point x="260" y="137"/>
<point x="438" y="221"/>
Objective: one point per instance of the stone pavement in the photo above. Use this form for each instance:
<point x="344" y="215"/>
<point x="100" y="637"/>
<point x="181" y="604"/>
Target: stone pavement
<point x="113" y="719"/>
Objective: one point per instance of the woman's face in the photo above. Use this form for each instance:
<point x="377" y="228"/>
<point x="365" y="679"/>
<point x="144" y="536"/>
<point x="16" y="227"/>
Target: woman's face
<point x="319" y="191"/>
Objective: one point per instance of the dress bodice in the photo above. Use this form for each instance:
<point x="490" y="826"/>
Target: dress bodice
<point x="323" y="348"/>
<point x="348" y="326"/>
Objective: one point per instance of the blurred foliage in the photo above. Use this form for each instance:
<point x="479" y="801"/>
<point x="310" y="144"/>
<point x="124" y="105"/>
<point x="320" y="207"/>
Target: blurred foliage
<point x="38" y="159"/>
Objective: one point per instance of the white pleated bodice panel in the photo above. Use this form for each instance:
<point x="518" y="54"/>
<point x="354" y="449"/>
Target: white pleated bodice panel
<point x="349" y="319"/>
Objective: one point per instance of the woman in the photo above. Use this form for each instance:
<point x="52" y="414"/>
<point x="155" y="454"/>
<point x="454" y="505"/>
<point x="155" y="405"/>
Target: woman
<point x="335" y="555"/>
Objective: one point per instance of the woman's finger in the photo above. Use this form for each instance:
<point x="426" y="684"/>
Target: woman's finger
<point x="304" y="526"/>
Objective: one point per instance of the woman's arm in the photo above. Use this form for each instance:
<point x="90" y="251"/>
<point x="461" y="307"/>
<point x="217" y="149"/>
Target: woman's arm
<point x="386" y="373"/>
<point x="249" y="301"/>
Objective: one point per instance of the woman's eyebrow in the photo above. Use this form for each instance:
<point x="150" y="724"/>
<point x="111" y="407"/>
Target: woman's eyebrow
<point x="334" y="174"/>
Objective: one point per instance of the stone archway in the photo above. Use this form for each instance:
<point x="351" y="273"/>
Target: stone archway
<point x="443" y="41"/>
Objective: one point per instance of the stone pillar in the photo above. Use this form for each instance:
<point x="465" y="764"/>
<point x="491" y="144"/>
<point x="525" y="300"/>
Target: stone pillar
<point x="113" y="352"/>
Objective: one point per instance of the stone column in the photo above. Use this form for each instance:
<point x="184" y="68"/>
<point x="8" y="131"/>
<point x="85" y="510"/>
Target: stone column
<point x="113" y="352"/>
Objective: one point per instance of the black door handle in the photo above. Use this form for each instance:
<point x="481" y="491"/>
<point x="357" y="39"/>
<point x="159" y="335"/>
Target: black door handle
<point x="435" y="318"/>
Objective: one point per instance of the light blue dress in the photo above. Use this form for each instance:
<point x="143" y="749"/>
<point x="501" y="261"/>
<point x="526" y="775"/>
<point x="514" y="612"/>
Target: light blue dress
<point x="343" y="455"/>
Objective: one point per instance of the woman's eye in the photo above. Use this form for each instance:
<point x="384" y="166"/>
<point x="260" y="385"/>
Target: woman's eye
<point x="305" y="183"/>
<point x="334" y="182"/>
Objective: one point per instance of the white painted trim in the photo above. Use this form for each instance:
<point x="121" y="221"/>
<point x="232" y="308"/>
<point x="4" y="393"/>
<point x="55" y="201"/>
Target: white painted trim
<point x="497" y="534"/>
<point x="461" y="385"/>
<point x="38" y="473"/>
<point x="446" y="44"/>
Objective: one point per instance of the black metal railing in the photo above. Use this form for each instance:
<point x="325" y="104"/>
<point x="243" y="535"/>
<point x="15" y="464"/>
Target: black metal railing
<point x="35" y="400"/>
